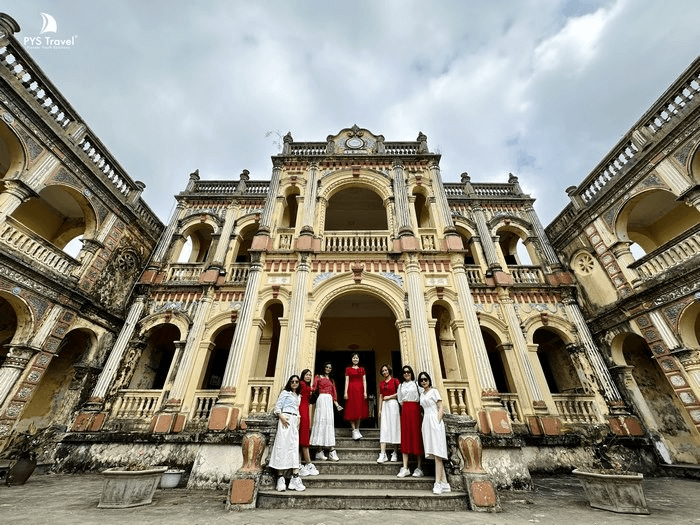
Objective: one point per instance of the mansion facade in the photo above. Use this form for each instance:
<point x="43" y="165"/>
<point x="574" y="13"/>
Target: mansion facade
<point x="171" y="338"/>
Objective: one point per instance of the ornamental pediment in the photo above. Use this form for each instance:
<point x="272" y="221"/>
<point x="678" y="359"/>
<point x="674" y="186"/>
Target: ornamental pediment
<point x="354" y="141"/>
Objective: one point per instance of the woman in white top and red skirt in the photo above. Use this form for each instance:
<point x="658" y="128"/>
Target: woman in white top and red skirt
<point x="411" y="441"/>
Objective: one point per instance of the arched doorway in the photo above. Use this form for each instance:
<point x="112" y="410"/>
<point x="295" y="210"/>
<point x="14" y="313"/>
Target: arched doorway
<point x="363" y="324"/>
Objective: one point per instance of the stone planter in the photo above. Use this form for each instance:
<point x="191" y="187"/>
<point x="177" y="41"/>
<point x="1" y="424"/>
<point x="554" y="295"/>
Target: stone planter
<point x="615" y="492"/>
<point x="129" y="488"/>
<point x="171" y="478"/>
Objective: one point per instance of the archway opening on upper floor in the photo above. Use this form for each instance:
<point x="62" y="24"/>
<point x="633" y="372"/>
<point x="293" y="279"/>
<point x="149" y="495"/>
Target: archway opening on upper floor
<point x="654" y="218"/>
<point x="498" y="361"/>
<point x="61" y="216"/>
<point x="151" y="371"/>
<point x="514" y="251"/>
<point x="422" y="208"/>
<point x="243" y="243"/>
<point x="689" y="326"/>
<point x="215" y="364"/>
<point x="197" y="245"/>
<point x="356" y="209"/>
<point x="269" y="342"/>
<point x="364" y="324"/>
<point x="11" y="153"/>
<point x="8" y="327"/>
<point x="449" y="353"/>
<point x="557" y="366"/>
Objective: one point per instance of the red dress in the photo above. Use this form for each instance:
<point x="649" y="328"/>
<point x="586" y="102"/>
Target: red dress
<point x="304" y="423"/>
<point x="356" y="406"/>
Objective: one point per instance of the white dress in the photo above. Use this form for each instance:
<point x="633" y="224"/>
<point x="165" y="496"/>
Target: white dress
<point x="434" y="440"/>
<point x="285" y="451"/>
<point x="390" y="422"/>
<point x="323" y="429"/>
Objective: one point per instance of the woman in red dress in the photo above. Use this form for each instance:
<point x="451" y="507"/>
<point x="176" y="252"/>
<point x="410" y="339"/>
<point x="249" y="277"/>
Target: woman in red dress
<point x="356" y="408"/>
<point x="308" y="469"/>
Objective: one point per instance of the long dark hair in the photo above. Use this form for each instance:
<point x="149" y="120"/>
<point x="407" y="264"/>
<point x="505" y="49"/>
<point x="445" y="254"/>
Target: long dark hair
<point x="288" y="386"/>
<point x="303" y="375"/>
<point x="406" y="367"/>
<point x="425" y="375"/>
<point x="323" y="371"/>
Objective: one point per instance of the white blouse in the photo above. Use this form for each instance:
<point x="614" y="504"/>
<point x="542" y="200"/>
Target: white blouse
<point x="408" y="391"/>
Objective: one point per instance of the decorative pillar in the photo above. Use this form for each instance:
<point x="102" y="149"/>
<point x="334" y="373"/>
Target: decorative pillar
<point x="600" y="371"/>
<point x="486" y="240"/>
<point x="271" y="199"/>
<point x="419" y="318"/>
<point x="16" y="361"/>
<point x="401" y="200"/>
<point x="167" y="235"/>
<point x="117" y="353"/>
<point x="16" y="192"/>
<point x="225" y="237"/>
<point x="550" y="257"/>
<point x="408" y="354"/>
<point x="296" y="317"/>
<point x="310" y="198"/>
<point x="441" y="198"/>
<point x="223" y="415"/>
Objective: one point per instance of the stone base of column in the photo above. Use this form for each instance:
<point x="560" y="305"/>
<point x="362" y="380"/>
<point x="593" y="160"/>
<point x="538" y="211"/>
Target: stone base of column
<point x="167" y="423"/>
<point x="499" y="278"/>
<point x="559" y="277"/>
<point x="409" y="243"/>
<point x="626" y="426"/>
<point x="243" y="491"/>
<point x="482" y="493"/>
<point x="494" y="421"/>
<point x="224" y="417"/>
<point x="544" y="425"/>
<point x="89" y="422"/>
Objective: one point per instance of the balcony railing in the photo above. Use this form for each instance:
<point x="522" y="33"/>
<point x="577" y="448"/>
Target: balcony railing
<point x="527" y="274"/>
<point x="202" y="404"/>
<point x="668" y="255"/>
<point x="184" y="272"/>
<point x="474" y="275"/>
<point x="259" y="394"/>
<point x="136" y="404"/>
<point x="575" y="408"/>
<point x="362" y="241"/>
<point x="21" y="239"/>
<point x="238" y="273"/>
<point x="512" y="404"/>
<point x="457" y="397"/>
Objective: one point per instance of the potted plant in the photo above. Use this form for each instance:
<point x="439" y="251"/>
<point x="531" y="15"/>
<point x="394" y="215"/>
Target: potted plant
<point x="19" y="458"/>
<point x="610" y="485"/>
<point x="129" y="486"/>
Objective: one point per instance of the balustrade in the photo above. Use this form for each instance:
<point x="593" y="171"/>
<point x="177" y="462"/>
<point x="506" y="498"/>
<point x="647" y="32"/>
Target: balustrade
<point x="184" y="272"/>
<point x="204" y="401"/>
<point x="356" y="242"/>
<point x="259" y="394"/>
<point x="136" y="404"/>
<point x="21" y="239"/>
<point x="512" y="404"/>
<point x="575" y="409"/>
<point x="457" y="397"/>
<point x="527" y="274"/>
<point x="474" y="275"/>
<point x="668" y="255"/>
<point x="238" y="273"/>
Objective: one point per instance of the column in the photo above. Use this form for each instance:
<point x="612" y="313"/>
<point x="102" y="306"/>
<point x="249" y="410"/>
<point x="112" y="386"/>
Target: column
<point x="484" y="373"/>
<point x="441" y="198"/>
<point x="401" y="200"/>
<point x="16" y="361"/>
<point x="419" y="318"/>
<point x="117" y="353"/>
<point x="225" y="237"/>
<point x="310" y="199"/>
<point x="16" y="192"/>
<point x="521" y="349"/>
<point x="270" y="201"/>
<point x="174" y="367"/>
<point x="601" y="372"/>
<point x="296" y="318"/>
<point x="167" y="235"/>
<point x="551" y="258"/>
<point x="241" y="335"/>
<point x="486" y="239"/>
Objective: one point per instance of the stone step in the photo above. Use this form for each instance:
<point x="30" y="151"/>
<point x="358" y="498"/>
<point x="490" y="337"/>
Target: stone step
<point x="367" y="481"/>
<point x="362" y="499"/>
<point x="364" y="467"/>
<point x="347" y="441"/>
<point x="356" y="453"/>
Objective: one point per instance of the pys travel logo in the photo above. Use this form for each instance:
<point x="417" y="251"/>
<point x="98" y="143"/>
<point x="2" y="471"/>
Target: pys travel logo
<point x="48" y="37"/>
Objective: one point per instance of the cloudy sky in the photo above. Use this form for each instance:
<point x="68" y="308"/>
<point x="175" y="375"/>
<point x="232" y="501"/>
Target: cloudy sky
<point x="542" y="89"/>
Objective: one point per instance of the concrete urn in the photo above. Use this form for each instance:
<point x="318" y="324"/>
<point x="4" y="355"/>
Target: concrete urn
<point x="129" y="488"/>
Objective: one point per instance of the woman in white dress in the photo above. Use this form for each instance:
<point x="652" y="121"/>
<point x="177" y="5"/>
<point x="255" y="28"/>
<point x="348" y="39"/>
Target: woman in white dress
<point x="389" y="415"/>
<point x="285" y="451"/>
<point x="433" y="430"/>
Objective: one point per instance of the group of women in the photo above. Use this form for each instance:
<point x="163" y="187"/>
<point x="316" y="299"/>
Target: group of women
<point x="399" y="411"/>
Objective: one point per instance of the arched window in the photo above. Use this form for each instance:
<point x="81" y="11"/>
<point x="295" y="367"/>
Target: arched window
<point x="355" y="209"/>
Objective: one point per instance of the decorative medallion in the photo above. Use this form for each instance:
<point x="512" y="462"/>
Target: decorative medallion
<point x="16" y="290"/>
<point x="583" y="264"/>
<point x="24" y="393"/>
<point x="677" y="380"/>
<point x="658" y="349"/>
<point x="695" y="414"/>
<point x="687" y="398"/>
<point x="8" y="118"/>
<point x="34" y="376"/>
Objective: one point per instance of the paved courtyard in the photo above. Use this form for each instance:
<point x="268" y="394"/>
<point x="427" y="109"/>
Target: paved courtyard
<point x="58" y="499"/>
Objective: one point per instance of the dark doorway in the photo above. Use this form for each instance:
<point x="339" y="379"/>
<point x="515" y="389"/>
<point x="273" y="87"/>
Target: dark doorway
<point x="341" y="359"/>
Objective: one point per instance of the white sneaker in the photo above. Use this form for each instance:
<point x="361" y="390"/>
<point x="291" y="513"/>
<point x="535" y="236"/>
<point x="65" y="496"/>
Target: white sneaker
<point x="445" y="487"/>
<point x="296" y="484"/>
<point x="320" y="455"/>
<point x="333" y="456"/>
<point x="437" y="488"/>
<point x="281" y="485"/>
<point x="394" y="457"/>
<point x="418" y="473"/>
<point x="382" y="457"/>
<point x="311" y="469"/>
<point x="404" y="472"/>
<point x="303" y="471"/>
<point x="356" y="434"/>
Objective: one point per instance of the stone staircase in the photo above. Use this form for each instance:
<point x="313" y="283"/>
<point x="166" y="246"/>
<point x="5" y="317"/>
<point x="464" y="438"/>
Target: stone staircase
<point x="357" y="481"/>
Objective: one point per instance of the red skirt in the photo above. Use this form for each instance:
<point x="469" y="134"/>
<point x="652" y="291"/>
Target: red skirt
<point x="304" y="423"/>
<point x="411" y="440"/>
<point x="356" y="405"/>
